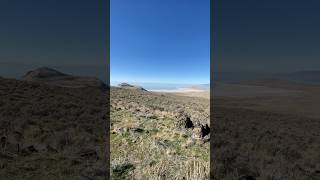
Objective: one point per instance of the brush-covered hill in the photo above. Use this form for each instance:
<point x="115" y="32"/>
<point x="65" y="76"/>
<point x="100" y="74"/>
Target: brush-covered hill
<point x="54" y="77"/>
<point x="51" y="131"/>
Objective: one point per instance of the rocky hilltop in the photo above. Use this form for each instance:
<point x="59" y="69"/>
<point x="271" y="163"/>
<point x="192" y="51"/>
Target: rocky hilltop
<point x="129" y="86"/>
<point x="54" y="77"/>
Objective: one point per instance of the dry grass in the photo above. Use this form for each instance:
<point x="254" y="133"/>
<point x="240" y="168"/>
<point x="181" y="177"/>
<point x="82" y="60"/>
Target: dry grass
<point x="160" y="151"/>
<point x="251" y="139"/>
<point x="202" y="94"/>
<point x="50" y="132"/>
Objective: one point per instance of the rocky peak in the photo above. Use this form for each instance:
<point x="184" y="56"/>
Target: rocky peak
<point x="44" y="73"/>
<point x="53" y="77"/>
<point x="129" y="86"/>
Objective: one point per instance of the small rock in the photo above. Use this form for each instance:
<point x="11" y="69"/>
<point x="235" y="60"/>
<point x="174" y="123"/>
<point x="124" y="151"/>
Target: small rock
<point x="201" y="132"/>
<point x="205" y="130"/>
<point x="206" y="139"/>
<point x="196" y="133"/>
<point x="119" y="130"/>
<point x="136" y="130"/>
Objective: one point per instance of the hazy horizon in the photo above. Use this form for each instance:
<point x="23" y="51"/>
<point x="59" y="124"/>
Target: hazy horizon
<point x="154" y="86"/>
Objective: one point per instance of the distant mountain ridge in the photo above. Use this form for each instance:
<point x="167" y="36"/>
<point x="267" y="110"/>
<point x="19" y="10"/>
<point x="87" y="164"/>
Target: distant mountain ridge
<point x="53" y="77"/>
<point x="129" y="86"/>
<point x="45" y="73"/>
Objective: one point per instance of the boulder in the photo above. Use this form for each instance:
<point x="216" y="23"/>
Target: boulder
<point x="201" y="132"/>
<point x="184" y="122"/>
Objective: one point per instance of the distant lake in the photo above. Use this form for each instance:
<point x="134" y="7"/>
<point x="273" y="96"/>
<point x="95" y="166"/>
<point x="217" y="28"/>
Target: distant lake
<point x="164" y="86"/>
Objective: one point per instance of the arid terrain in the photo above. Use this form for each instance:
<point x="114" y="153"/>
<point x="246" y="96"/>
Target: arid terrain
<point x="52" y="131"/>
<point x="158" y="135"/>
<point x="273" y="132"/>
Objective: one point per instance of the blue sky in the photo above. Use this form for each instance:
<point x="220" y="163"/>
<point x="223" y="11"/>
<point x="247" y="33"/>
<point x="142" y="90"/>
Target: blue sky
<point x="164" y="41"/>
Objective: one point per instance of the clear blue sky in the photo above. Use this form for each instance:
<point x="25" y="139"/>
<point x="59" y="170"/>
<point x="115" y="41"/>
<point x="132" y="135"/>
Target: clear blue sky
<point x="160" y="41"/>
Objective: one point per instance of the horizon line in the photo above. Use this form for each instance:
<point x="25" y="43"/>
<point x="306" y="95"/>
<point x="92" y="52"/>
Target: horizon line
<point x="157" y="82"/>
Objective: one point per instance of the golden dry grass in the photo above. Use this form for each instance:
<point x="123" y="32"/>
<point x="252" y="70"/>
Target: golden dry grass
<point x="160" y="151"/>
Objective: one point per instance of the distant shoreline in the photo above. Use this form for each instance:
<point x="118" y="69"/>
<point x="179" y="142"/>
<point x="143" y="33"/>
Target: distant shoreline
<point x="178" y="90"/>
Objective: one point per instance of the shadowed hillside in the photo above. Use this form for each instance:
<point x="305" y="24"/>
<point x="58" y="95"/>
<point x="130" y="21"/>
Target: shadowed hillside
<point x="265" y="136"/>
<point x="52" y="132"/>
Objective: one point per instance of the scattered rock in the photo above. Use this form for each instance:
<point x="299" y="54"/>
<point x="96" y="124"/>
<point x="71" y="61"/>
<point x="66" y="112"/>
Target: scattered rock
<point x="196" y="133"/>
<point x="184" y="122"/>
<point x="205" y="130"/>
<point x="119" y="130"/>
<point x="121" y="170"/>
<point x="206" y="139"/>
<point x="201" y="133"/>
<point x="136" y="130"/>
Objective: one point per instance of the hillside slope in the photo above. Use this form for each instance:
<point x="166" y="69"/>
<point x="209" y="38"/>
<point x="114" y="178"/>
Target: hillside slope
<point x="51" y="132"/>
